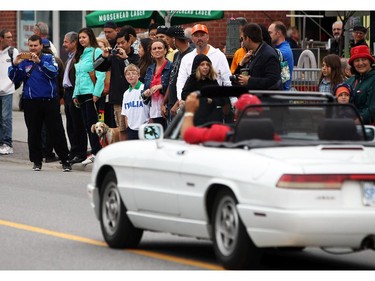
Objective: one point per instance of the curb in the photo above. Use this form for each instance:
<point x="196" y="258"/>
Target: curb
<point x="21" y="156"/>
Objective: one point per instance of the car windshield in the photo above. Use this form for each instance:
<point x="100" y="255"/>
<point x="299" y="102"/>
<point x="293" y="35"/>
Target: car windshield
<point x="299" y="117"/>
<point x="299" y="121"/>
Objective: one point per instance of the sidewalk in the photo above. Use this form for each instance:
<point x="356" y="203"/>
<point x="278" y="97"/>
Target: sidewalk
<point x="21" y="150"/>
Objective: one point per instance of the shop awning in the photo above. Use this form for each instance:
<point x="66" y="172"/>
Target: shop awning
<point x="142" y="18"/>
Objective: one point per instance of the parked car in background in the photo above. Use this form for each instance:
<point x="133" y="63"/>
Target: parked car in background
<point x="311" y="186"/>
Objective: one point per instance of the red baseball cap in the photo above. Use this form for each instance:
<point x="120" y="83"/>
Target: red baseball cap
<point x="245" y="100"/>
<point x="199" y="27"/>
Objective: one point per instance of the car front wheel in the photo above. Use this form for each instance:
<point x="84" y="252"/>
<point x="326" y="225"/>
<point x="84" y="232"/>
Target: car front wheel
<point x="232" y="245"/>
<point x="117" y="229"/>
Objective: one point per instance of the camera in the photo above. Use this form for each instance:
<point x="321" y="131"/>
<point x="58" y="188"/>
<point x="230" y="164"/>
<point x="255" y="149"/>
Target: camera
<point x="234" y="78"/>
<point x="243" y="71"/>
<point x="25" y="56"/>
<point x="115" y="51"/>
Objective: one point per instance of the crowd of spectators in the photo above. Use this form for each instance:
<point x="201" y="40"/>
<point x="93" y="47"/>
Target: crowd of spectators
<point x="134" y="81"/>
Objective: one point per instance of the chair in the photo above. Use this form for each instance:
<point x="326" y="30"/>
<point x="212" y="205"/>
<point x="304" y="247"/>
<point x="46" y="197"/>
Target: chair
<point x="338" y="129"/>
<point x="254" y="128"/>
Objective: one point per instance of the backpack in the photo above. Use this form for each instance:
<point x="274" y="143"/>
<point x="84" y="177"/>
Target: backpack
<point x="10" y="53"/>
<point x="285" y="71"/>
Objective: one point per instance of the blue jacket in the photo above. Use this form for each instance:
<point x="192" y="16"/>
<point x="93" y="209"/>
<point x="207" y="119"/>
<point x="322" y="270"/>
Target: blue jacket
<point x="42" y="82"/>
<point x="84" y="84"/>
<point x="164" y="76"/>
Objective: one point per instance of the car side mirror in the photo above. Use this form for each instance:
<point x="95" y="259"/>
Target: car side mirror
<point x="370" y="133"/>
<point x="152" y="131"/>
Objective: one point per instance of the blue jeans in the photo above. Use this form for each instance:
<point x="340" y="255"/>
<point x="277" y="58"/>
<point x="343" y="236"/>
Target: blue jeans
<point x="6" y="129"/>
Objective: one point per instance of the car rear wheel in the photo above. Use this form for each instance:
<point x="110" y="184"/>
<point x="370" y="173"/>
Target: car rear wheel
<point x="117" y="229"/>
<point x="232" y="245"/>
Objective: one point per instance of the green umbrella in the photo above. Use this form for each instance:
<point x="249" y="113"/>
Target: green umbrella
<point x="142" y="19"/>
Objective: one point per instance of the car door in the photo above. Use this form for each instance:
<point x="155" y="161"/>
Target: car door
<point x="157" y="177"/>
<point x="199" y="167"/>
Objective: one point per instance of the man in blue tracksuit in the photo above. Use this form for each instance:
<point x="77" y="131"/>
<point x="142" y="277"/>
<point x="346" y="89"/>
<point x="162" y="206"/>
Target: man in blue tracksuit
<point x="38" y="72"/>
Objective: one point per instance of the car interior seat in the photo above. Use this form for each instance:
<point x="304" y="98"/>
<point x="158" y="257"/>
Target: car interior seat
<point x="338" y="129"/>
<point x="254" y="128"/>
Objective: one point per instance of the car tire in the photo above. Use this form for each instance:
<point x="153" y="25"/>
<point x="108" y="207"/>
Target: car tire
<point x="117" y="229"/>
<point x="232" y="245"/>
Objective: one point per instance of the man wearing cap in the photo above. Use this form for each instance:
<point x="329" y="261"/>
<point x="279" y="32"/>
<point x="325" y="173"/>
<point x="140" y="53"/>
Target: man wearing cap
<point x="363" y="82"/>
<point x="110" y="30"/>
<point x="181" y="43"/>
<point x="216" y="132"/>
<point x="359" y="34"/>
<point x="200" y="38"/>
<point x="161" y="33"/>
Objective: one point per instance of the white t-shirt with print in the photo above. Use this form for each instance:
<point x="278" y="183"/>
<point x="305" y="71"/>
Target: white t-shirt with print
<point x="133" y="107"/>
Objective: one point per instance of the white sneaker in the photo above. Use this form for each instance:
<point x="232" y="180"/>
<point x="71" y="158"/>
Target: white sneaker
<point x="6" y="149"/>
<point x="89" y="160"/>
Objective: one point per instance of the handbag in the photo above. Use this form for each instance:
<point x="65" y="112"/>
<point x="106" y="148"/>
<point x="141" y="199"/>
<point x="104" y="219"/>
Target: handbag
<point x="285" y="71"/>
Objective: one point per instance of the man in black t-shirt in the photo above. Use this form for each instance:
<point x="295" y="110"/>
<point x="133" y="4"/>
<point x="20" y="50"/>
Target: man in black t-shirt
<point x="170" y="102"/>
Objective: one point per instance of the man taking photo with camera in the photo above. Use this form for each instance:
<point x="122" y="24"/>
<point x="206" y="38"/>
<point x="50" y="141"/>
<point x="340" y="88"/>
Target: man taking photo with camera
<point x="116" y="60"/>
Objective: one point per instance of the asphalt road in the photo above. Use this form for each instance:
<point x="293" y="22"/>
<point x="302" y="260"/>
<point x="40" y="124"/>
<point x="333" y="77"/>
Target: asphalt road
<point x="46" y="223"/>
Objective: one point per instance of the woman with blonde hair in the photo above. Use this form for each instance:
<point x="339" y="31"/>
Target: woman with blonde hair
<point x="203" y="74"/>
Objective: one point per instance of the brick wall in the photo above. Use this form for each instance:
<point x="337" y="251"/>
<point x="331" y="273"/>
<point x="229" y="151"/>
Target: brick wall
<point x="8" y="20"/>
<point x="218" y="29"/>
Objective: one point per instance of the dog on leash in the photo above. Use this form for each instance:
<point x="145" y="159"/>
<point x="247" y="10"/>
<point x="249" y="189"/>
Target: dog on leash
<point x="106" y="134"/>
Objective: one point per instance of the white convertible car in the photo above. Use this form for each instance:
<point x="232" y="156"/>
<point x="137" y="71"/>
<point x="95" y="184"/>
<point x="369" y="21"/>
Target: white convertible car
<point x="296" y="172"/>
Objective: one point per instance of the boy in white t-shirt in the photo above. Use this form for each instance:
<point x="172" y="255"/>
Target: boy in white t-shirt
<point x="135" y="111"/>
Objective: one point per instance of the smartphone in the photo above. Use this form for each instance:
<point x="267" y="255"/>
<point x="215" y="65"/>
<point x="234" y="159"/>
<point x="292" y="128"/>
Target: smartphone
<point x="26" y="56"/>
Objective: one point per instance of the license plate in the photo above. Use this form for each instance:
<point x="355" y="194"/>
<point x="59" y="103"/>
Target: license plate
<point x="368" y="193"/>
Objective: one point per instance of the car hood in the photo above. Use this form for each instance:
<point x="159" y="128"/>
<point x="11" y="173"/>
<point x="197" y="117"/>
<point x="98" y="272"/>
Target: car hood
<point x="334" y="157"/>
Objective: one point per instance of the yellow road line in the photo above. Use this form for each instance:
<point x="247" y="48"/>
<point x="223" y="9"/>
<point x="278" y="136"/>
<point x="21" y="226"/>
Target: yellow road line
<point x="103" y="244"/>
<point x="53" y="233"/>
<point x="177" y="260"/>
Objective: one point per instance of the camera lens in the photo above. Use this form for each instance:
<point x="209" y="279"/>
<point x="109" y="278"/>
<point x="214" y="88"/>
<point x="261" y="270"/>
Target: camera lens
<point x="114" y="51"/>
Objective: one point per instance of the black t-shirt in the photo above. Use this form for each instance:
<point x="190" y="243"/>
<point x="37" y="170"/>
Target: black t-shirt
<point x="172" y="96"/>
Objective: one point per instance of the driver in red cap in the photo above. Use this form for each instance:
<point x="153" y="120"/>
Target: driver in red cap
<point x="217" y="132"/>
